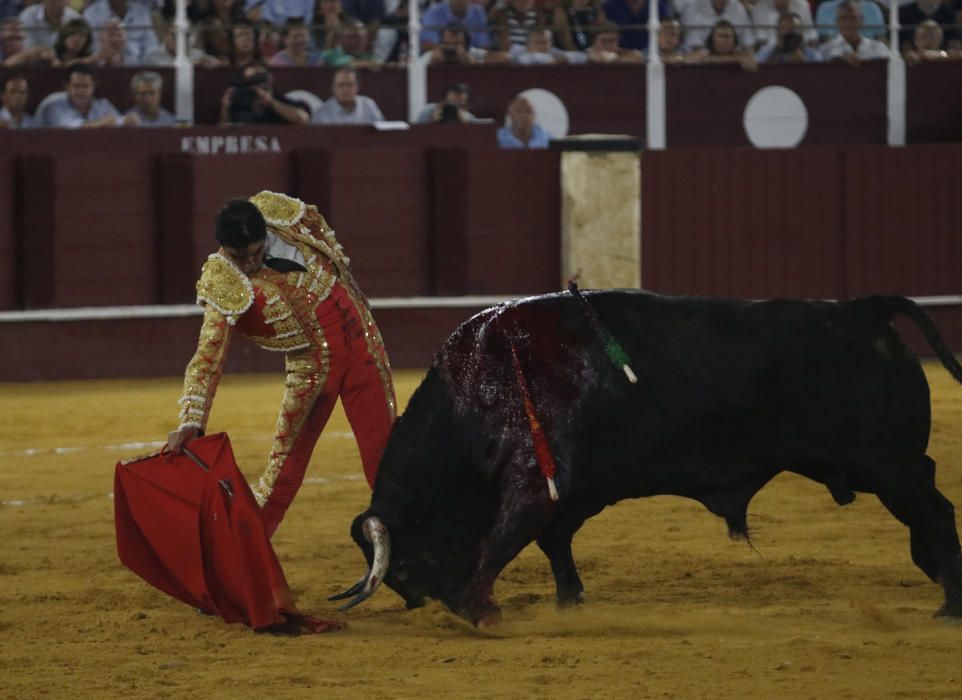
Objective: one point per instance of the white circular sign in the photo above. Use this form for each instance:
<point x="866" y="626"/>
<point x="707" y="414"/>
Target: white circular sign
<point x="775" y="117"/>
<point x="549" y="111"/>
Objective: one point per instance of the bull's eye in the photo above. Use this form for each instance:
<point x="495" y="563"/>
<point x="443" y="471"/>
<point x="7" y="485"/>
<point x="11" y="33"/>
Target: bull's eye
<point x="402" y="575"/>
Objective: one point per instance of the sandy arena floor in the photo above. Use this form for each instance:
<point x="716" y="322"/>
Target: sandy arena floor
<point x="828" y="606"/>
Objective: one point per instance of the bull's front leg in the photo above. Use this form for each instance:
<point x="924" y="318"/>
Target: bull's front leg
<point x="525" y="509"/>
<point x="567" y="582"/>
<point x="555" y="542"/>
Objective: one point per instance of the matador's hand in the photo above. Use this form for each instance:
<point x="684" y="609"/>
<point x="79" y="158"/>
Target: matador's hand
<point x="180" y="437"/>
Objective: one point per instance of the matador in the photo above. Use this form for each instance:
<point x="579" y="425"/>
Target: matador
<point x="282" y="279"/>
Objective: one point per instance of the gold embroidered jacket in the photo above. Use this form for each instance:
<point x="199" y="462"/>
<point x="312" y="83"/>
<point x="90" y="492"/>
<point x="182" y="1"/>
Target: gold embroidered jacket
<point x="275" y="310"/>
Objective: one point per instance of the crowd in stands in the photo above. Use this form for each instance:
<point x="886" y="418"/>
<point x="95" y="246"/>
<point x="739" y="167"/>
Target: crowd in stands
<point x="258" y="36"/>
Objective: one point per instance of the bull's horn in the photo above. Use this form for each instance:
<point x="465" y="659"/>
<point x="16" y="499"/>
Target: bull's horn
<point x="376" y="533"/>
<point x="350" y="591"/>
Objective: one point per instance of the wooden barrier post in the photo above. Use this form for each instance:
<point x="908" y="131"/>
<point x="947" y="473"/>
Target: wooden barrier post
<point x="38" y="194"/>
<point x="600" y="211"/>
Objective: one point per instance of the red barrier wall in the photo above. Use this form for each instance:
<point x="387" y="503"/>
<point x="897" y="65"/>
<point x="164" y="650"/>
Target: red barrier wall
<point x="378" y="202"/>
<point x="903" y="220"/>
<point x="115" y="216"/>
<point x="88" y="231"/>
<point x="9" y="244"/>
<point x="706" y="104"/>
<point x="496" y="221"/>
<point x="934" y="102"/>
<point x="420" y="219"/>
<point x="743" y="222"/>
<point x="816" y="223"/>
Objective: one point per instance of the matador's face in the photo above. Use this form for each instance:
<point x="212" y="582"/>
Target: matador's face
<point x="249" y="259"/>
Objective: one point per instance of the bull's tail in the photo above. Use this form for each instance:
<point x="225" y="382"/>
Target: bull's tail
<point x="891" y="304"/>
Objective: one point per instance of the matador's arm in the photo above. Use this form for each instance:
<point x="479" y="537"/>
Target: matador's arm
<point x="226" y="294"/>
<point x="204" y="370"/>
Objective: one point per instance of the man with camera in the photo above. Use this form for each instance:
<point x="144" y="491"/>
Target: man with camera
<point x="789" y="45"/>
<point x="251" y="100"/>
<point x="455" y="48"/>
<point x="452" y="109"/>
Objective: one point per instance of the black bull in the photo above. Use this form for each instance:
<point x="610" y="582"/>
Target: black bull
<point x="728" y="395"/>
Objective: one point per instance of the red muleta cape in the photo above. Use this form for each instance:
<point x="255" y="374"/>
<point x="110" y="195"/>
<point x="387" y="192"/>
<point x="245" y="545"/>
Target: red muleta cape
<point x="193" y="530"/>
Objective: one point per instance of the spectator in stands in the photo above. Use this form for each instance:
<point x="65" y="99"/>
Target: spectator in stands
<point x="277" y="12"/>
<point x="450" y="13"/>
<point x="350" y="48"/>
<point x="700" y="17"/>
<point x="243" y="45"/>
<point x="512" y="22"/>
<point x="626" y="13"/>
<point x="297" y="47"/>
<point x="146" y="87"/>
<point x="329" y="15"/>
<point x="113" y="45"/>
<point x="370" y="13"/>
<point x="13" y="52"/>
<point x="538" y="51"/>
<point x="670" y="45"/>
<point x="215" y="27"/>
<point x="43" y="21"/>
<point x="269" y="40"/>
<point x="166" y="53"/>
<point x="251" y="100"/>
<point x="873" y="22"/>
<point x="369" y="16"/>
<point x="78" y="108"/>
<point x="913" y="14"/>
<point x="605" y="48"/>
<point x="346" y="105"/>
<point x="136" y="21"/>
<point x="765" y="15"/>
<point x="520" y="129"/>
<point x="849" y="44"/>
<point x="454" y="48"/>
<point x="390" y="44"/>
<point x="453" y="107"/>
<point x="75" y="43"/>
<point x="13" y="103"/>
<point x="723" y="46"/>
<point x="789" y="44"/>
<point x="927" y="45"/>
<point x="574" y="22"/>
<point x="197" y="10"/>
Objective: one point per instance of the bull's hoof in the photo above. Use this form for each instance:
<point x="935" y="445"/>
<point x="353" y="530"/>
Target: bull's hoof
<point x="490" y="618"/>
<point x="571" y="600"/>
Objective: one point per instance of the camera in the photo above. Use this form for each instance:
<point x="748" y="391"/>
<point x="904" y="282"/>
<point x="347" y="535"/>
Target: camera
<point x="244" y="97"/>
<point x="792" y="41"/>
<point x="449" y="54"/>
<point x="450" y="114"/>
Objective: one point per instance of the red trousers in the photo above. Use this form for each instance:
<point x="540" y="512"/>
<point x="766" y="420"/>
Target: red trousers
<point x="347" y="361"/>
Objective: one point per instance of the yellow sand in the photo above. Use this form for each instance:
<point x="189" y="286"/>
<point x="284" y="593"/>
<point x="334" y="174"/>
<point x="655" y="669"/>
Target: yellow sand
<point x="828" y="605"/>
